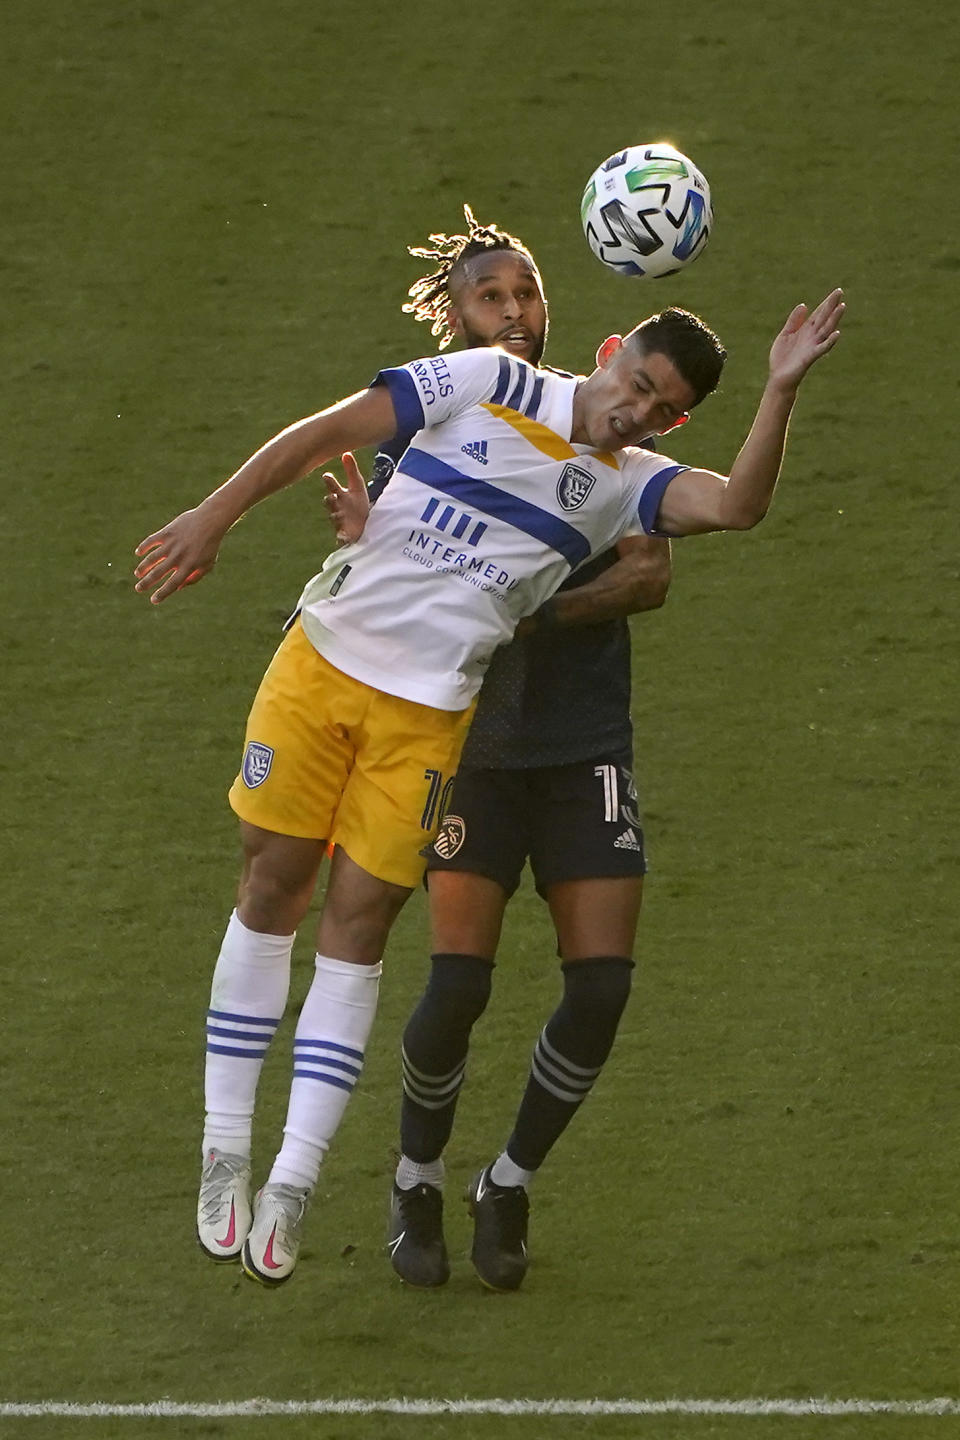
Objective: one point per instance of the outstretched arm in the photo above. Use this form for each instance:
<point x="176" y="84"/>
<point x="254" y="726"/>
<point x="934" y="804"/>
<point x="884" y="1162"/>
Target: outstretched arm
<point x="700" y="500"/>
<point x="186" y="549"/>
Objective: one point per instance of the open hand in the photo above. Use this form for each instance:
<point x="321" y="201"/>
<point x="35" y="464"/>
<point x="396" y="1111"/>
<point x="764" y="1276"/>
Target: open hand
<point x="347" y="505"/>
<point x="179" y="554"/>
<point x="806" y="336"/>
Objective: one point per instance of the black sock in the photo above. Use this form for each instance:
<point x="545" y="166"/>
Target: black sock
<point x="435" y="1045"/>
<point x="569" y="1054"/>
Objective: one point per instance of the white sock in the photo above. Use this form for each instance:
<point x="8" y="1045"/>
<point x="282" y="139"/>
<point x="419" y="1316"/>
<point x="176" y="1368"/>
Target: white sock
<point x="504" y="1172"/>
<point x="327" y="1059"/>
<point x="247" y="1000"/>
<point x="411" y="1173"/>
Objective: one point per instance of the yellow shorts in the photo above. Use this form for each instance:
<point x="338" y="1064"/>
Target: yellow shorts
<point x="330" y="758"/>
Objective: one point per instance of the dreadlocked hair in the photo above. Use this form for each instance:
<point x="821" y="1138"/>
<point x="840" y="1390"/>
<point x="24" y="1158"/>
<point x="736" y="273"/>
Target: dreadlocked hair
<point x="430" y="295"/>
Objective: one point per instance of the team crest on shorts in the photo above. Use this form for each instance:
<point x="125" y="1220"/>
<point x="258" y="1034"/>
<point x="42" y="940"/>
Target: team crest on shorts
<point x="257" y="760"/>
<point x="450" y="837"/>
<point x="574" y="486"/>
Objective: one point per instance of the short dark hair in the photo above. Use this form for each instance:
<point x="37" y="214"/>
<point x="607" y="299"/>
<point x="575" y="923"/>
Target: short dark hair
<point x="686" y="341"/>
<point x="430" y="295"/>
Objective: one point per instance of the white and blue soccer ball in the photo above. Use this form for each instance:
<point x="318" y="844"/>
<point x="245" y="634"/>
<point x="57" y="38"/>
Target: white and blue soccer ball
<point x="646" y="211"/>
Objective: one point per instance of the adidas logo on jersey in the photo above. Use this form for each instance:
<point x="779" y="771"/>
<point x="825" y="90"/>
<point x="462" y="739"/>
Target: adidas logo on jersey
<point x="477" y="450"/>
<point x="626" y="841"/>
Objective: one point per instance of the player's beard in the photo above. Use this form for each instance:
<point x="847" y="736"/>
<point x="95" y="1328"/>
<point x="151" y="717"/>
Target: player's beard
<point x="475" y="341"/>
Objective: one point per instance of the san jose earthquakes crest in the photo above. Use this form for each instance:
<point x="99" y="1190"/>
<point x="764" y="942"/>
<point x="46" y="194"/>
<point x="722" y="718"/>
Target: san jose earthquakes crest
<point x="257" y="760"/>
<point x="574" y="486"/>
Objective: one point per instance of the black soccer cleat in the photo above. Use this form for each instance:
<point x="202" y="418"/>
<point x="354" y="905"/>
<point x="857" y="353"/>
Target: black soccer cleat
<point x="499" y="1214"/>
<point x="415" y="1240"/>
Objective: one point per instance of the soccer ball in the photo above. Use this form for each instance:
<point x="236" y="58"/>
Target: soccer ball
<point x="646" y="211"/>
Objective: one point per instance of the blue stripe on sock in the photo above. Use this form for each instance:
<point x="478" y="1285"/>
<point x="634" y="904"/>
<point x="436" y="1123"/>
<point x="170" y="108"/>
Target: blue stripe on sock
<point x="244" y="1019"/>
<point x="326" y="1079"/>
<point x="299" y="1059"/>
<point x="220" y="1033"/>
<point x="241" y="1054"/>
<point x="328" y="1045"/>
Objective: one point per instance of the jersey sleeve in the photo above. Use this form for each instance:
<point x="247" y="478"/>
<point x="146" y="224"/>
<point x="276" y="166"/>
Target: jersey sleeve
<point x="384" y="464"/>
<point x="431" y="390"/>
<point x="647" y="477"/>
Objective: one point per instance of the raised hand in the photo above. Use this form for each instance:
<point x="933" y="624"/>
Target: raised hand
<point x="804" y="338"/>
<point x="348" y="506"/>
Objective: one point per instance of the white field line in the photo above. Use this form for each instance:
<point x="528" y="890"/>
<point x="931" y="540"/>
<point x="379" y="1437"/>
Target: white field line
<point x="174" y="1409"/>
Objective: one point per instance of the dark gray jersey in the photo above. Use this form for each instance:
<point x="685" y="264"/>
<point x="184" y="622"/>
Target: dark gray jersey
<point x="557" y="696"/>
<point x="550" y="698"/>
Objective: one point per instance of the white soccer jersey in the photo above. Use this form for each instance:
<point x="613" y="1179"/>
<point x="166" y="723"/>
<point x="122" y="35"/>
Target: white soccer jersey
<point x="489" y="510"/>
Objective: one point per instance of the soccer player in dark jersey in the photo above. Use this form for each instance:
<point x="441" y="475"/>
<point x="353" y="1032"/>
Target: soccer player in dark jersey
<point x="546" y="775"/>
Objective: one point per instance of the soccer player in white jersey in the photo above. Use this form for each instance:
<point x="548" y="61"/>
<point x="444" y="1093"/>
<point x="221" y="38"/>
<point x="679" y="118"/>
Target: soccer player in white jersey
<point x="373" y="686"/>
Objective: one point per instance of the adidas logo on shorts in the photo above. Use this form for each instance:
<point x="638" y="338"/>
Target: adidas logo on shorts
<point x="477" y="450"/>
<point x="626" y="841"/>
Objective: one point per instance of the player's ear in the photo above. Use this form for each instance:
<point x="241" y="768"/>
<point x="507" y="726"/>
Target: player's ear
<point x="454" y="322"/>
<point x="608" y="349"/>
<point x="680" y="420"/>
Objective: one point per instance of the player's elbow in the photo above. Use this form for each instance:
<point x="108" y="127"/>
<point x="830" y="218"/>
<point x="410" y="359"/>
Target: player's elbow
<point x="741" y="517"/>
<point x="652" y="579"/>
<point x="648" y="592"/>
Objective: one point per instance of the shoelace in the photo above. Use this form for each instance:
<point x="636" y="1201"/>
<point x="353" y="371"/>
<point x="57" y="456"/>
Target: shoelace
<point x="289" y="1206"/>
<point x="215" y="1186"/>
<point x="419" y="1210"/>
<point x="513" y="1208"/>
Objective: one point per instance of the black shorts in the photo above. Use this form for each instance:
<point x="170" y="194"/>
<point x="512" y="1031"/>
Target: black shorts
<point x="573" y="822"/>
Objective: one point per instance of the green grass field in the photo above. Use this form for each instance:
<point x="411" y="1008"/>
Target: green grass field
<point x="203" y="238"/>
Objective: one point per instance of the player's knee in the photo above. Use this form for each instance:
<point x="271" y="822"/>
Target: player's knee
<point x="596" y="991"/>
<point x="279" y="875"/>
<point x="359" y="935"/>
<point x="459" y="988"/>
<point x="270" y="897"/>
<point x="358" y="912"/>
